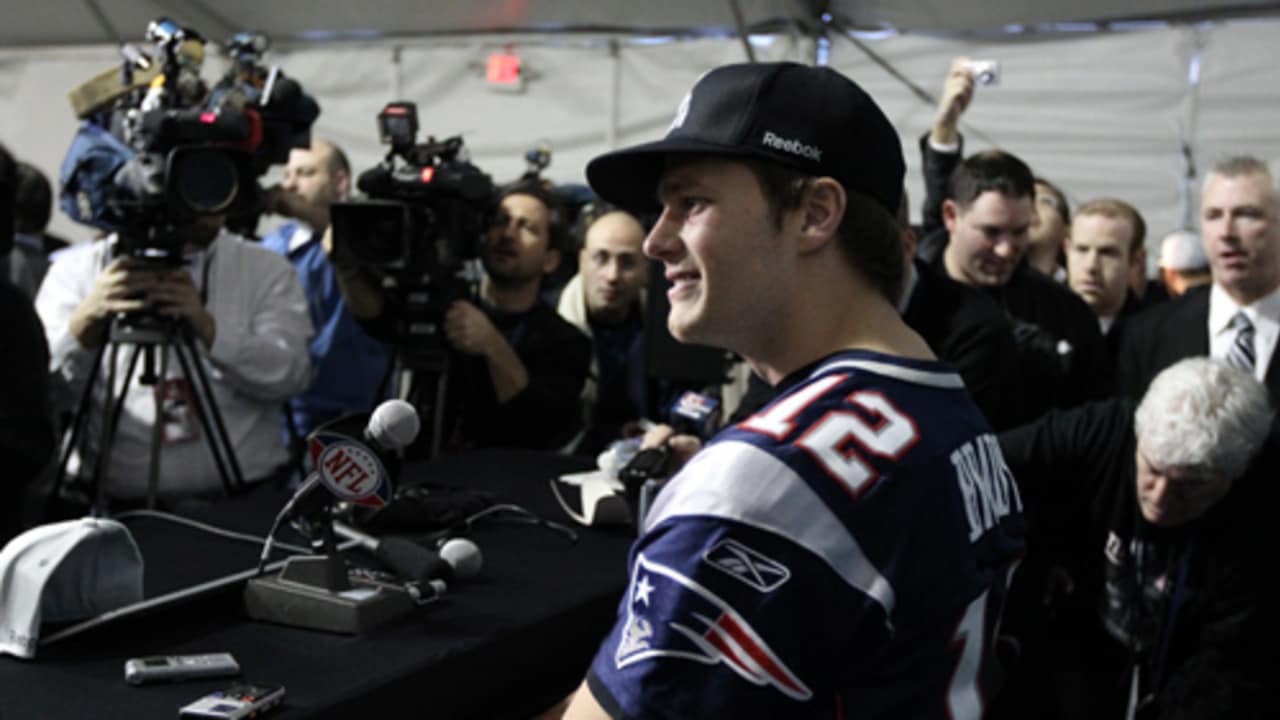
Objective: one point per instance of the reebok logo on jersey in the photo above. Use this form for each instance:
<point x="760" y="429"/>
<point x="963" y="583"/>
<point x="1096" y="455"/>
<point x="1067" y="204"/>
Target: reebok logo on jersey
<point x="670" y="616"/>
<point x="795" y="147"/>
<point x="747" y="565"/>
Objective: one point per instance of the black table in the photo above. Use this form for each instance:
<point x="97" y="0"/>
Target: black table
<point x="505" y="644"/>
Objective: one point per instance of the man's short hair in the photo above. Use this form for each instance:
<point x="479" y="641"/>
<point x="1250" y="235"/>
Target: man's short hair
<point x="32" y="200"/>
<point x="1238" y="165"/>
<point x="990" y="170"/>
<point x="869" y="236"/>
<point x="1059" y="200"/>
<point x="337" y="158"/>
<point x="1118" y="210"/>
<point x="557" y="230"/>
<point x="1204" y="415"/>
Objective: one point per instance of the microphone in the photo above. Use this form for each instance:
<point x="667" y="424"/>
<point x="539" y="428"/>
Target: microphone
<point x="353" y="470"/>
<point x="314" y="590"/>
<point x="695" y="413"/>
<point x="353" y="464"/>
<point x="393" y="426"/>
<point x="458" y="558"/>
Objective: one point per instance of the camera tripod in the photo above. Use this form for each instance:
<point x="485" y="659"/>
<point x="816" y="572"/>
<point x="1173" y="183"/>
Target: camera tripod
<point x="421" y="377"/>
<point x="147" y="334"/>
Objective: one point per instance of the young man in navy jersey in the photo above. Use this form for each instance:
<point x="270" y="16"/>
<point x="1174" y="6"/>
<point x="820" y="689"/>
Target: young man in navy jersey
<point x="843" y="552"/>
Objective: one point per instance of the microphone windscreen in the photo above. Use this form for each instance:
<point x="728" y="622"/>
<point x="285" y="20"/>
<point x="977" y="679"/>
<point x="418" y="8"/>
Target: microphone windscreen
<point x="410" y="561"/>
<point x="463" y="556"/>
<point x="394" y="425"/>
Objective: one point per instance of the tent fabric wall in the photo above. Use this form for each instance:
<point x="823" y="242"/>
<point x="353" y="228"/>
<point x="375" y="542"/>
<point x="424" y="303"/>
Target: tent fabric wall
<point x="1100" y="114"/>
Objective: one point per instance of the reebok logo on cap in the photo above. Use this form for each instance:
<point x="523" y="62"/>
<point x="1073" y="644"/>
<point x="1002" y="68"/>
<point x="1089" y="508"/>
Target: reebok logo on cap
<point x="795" y="147"/>
<point x="810" y="119"/>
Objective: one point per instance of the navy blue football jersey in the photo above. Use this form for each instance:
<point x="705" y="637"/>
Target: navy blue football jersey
<point x="844" y="552"/>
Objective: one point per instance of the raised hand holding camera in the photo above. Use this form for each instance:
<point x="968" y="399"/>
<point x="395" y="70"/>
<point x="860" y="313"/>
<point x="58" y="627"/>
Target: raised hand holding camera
<point x="957" y="93"/>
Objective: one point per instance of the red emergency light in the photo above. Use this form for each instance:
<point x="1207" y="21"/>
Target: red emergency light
<point x="503" y="69"/>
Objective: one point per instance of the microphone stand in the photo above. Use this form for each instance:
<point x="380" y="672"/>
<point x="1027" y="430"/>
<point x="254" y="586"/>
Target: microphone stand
<point x="318" y="591"/>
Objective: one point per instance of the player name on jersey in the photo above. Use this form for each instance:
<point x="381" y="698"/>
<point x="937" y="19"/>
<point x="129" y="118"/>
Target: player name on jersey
<point x="986" y="484"/>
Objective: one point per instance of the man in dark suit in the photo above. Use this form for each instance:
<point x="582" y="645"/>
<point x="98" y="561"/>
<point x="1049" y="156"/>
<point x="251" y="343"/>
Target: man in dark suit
<point x="1237" y="317"/>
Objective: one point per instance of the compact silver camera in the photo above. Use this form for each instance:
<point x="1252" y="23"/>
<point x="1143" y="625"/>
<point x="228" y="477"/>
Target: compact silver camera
<point x="985" y="72"/>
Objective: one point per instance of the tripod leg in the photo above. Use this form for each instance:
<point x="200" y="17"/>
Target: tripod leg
<point x="210" y="416"/>
<point x="157" y="425"/>
<point x="72" y="437"/>
<point x="110" y="419"/>
<point x="437" y="430"/>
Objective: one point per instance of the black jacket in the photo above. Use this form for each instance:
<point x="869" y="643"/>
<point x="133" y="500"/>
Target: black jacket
<point x="1215" y="659"/>
<point x="1061" y="354"/>
<point x="1159" y="337"/>
<point x="962" y="327"/>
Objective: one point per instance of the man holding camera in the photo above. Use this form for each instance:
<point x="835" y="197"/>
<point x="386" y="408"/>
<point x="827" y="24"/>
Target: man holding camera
<point x="245" y="311"/>
<point x="977" y="216"/>
<point x="349" y="367"/>
<point x="522" y="366"/>
<point x="515" y="369"/>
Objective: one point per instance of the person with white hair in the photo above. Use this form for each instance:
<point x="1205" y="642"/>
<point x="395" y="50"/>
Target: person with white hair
<point x="1166" y="605"/>
<point x="1183" y="264"/>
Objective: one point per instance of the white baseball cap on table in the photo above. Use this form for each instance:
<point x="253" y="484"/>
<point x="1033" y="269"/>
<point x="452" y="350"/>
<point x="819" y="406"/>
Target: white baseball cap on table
<point x="64" y="571"/>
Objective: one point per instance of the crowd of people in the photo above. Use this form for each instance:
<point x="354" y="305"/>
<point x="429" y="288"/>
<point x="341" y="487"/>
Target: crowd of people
<point x="982" y="466"/>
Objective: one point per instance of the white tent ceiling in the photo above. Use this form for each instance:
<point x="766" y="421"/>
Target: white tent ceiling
<point x="88" y="22"/>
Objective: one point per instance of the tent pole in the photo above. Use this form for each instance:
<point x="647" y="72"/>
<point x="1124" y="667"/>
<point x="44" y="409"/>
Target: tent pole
<point x="924" y="95"/>
<point x="615" y="94"/>
<point x="397" y="77"/>
<point x="1191" y="128"/>
<point x="104" y="21"/>
<point x="741" y="24"/>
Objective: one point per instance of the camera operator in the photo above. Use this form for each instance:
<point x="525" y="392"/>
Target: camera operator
<point x="349" y="366"/>
<point x="517" y="367"/>
<point x="245" y="308"/>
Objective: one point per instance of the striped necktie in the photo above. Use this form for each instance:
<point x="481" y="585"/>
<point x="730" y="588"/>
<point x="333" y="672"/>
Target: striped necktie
<point x="1240" y="354"/>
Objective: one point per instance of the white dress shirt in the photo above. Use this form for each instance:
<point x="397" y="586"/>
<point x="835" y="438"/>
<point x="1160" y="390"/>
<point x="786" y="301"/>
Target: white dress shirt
<point x="257" y="360"/>
<point x="1264" y="313"/>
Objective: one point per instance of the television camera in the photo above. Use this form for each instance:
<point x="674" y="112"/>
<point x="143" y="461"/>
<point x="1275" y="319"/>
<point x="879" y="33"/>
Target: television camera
<point x="420" y="228"/>
<point x="164" y="152"/>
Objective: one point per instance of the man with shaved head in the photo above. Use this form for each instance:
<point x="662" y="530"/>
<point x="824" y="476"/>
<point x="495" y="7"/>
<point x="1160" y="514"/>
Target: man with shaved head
<point x="605" y="301"/>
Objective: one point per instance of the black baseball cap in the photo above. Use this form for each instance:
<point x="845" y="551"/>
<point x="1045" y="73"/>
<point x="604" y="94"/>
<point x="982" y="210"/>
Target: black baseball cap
<point x="811" y="119"/>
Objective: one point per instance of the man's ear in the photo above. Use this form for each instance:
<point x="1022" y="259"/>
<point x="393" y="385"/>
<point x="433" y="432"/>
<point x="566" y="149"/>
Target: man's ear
<point x="550" y="261"/>
<point x="950" y="213"/>
<point x="1138" y="258"/>
<point x="342" y="184"/>
<point x="823" y="207"/>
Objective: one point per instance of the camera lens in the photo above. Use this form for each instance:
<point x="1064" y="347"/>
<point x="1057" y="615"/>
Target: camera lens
<point x="205" y="181"/>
